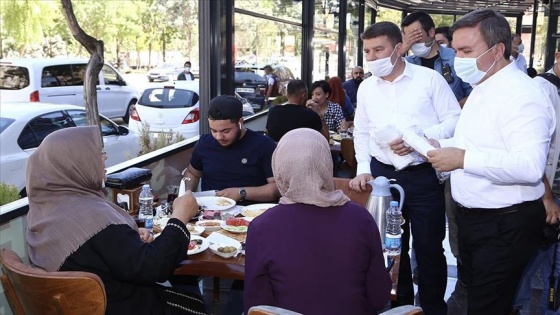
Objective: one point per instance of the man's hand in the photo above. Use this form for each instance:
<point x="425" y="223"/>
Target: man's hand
<point x="185" y="207"/>
<point x="411" y="38"/>
<point x="232" y="193"/>
<point x="359" y="183"/>
<point x="552" y="211"/>
<point x="446" y="159"/>
<point x="145" y="235"/>
<point x="399" y="147"/>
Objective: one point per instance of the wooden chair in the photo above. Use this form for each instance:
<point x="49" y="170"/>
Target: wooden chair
<point x="356" y="196"/>
<point x="273" y="310"/>
<point x="349" y="155"/>
<point x="35" y="291"/>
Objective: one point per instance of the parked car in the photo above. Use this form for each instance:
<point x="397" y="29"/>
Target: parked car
<point x="24" y="126"/>
<point x="166" y="71"/>
<point x="61" y="81"/>
<point x="250" y="82"/>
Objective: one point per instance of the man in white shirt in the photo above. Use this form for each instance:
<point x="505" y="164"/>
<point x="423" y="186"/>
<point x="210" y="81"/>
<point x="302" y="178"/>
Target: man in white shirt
<point x="406" y="95"/>
<point x="517" y="48"/>
<point x="497" y="157"/>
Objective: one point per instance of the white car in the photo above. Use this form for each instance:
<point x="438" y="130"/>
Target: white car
<point x="61" y="81"/>
<point x="171" y="108"/>
<point x="167" y="71"/>
<point x="24" y="126"/>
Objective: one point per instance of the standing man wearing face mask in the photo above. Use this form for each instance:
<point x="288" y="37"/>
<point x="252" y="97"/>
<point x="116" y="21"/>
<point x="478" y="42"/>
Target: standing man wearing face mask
<point x="351" y="85"/>
<point x="406" y="95"/>
<point x="186" y="75"/>
<point x="517" y="48"/>
<point x="497" y="159"/>
<point x="419" y="36"/>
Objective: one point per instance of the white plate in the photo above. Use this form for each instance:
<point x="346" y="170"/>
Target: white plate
<point x="336" y="137"/>
<point x="215" y="203"/>
<point x="197" y="229"/>
<point x="234" y="229"/>
<point x="216" y="224"/>
<point x="255" y="210"/>
<point x="198" y="248"/>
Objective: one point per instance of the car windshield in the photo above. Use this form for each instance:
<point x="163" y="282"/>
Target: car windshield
<point x="5" y="122"/>
<point x="168" y="98"/>
<point x="249" y="77"/>
<point x="13" y="77"/>
<point x="166" y="65"/>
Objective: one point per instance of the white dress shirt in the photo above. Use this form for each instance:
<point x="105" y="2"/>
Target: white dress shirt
<point x="418" y="97"/>
<point x="520" y="62"/>
<point x="505" y="129"/>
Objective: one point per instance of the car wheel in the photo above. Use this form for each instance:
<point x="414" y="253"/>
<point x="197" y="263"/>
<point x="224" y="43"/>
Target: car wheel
<point x="127" y="114"/>
<point x="151" y="80"/>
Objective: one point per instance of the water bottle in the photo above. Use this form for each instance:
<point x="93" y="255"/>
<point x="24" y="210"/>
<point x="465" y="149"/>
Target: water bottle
<point x="146" y="211"/>
<point x="393" y="230"/>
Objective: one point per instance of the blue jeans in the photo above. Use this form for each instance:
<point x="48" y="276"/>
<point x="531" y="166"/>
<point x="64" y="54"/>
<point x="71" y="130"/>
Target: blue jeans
<point x="536" y="275"/>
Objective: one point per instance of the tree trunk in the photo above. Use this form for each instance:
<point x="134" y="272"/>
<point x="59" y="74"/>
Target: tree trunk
<point x="95" y="48"/>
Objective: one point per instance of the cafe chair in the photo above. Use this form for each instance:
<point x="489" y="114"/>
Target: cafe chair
<point x="356" y="196"/>
<point x="273" y="310"/>
<point x="32" y="290"/>
<point x="349" y="156"/>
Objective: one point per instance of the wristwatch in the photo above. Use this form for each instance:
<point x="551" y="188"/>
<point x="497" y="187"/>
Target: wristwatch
<point x="242" y="194"/>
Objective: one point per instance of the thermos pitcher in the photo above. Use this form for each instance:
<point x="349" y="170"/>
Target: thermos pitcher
<point x="378" y="202"/>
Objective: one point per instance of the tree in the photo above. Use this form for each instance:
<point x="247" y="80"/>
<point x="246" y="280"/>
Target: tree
<point x="95" y="48"/>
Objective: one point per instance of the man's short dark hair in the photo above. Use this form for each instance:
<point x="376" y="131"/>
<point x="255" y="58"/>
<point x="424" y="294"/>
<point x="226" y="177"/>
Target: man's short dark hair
<point x="187" y="63"/>
<point x="295" y="87"/>
<point x="323" y="85"/>
<point x="445" y="31"/>
<point x="493" y="27"/>
<point x="422" y="17"/>
<point x="224" y="107"/>
<point x="389" y="29"/>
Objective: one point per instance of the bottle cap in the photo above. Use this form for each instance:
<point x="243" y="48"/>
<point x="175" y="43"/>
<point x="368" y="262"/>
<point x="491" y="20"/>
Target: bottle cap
<point x="394" y="204"/>
<point x="148" y="186"/>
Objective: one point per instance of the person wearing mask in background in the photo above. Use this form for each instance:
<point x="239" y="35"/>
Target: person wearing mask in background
<point x="298" y="113"/>
<point x="73" y="227"/>
<point x="186" y="75"/>
<point x="339" y="96"/>
<point x="351" y="85"/>
<point x="497" y="159"/>
<point x="517" y="57"/>
<point x="443" y="36"/>
<point x="407" y="96"/>
<point x="271" y="84"/>
<point x="419" y="36"/>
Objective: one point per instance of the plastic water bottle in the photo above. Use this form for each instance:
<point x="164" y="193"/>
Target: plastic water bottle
<point x="393" y="230"/>
<point x="146" y="211"/>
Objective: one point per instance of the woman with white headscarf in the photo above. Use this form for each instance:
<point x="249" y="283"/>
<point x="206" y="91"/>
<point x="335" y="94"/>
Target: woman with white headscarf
<point x="316" y="252"/>
<point x="73" y="227"/>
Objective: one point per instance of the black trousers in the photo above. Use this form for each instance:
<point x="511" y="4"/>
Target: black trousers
<point x="494" y="249"/>
<point x="424" y="212"/>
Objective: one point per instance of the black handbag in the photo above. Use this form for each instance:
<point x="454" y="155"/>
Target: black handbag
<point x="128" y="178"/>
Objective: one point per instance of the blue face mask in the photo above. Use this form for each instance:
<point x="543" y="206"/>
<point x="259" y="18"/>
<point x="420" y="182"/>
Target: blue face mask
<point x="468" y="71"/>
<point x="520" y="48"/>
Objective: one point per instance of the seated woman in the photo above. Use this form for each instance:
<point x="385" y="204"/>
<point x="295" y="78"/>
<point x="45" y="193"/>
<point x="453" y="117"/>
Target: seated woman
<point x="316" y="252"/>
<point x="320" y="93"/>
<point x="73" y="227"/>
<point x="339" y="96"/>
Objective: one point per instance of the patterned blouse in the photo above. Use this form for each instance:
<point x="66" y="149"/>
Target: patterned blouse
<point x="333" y="116"/>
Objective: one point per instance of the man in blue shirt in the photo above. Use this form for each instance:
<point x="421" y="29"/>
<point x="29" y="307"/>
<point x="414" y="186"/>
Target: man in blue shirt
<point x="351" y="85"/>
<point x="233" y="160"/>
<point x="419" y="36"/>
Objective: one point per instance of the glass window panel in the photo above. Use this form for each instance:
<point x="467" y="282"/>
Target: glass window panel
<point x="326" y="14"/>
<point x="352" y="37"/>
<point x="259" y="42"/>
<point x="56" y="76"/>
<point x="325" y="56"/>
<point x="284" y="9"/>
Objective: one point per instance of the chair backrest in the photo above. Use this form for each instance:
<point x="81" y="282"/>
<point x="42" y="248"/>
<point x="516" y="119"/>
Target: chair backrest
<point x="349" y="155"/>
<point x="270" y="310"/>
<point x="356" y="196"/>
<point x="35" y="291"/>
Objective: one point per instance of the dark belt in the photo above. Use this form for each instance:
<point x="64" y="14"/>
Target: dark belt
<point x="489" y="211"/>
<point x="408" y="169"/>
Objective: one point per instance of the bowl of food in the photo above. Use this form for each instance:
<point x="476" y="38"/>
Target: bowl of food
<point x="210" y="225"/>
<point x="224" y="250"/>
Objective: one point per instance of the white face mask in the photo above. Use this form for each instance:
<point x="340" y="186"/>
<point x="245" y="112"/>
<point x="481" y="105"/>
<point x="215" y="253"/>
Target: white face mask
<point x="382" y="67"/>
<point x="467" y="69"/>
<point x="187" y="69"/>
<point x="443" y="45"/>
<point x="421" y="50"/>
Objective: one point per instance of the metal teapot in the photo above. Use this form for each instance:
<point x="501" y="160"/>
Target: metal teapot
<point x="379" y="199"/>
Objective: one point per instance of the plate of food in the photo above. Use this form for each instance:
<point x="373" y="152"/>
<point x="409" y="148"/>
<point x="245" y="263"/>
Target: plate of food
<point x="224" y="250"/>
<point x="195" y="229"/>
<point x="336" y="137"/>
<point x="236" y="225"/>
<point x="215" y="203"/>
<point x="255" y="210"/>
<point x="197" y="245"/>
<point x="210" y="225"/>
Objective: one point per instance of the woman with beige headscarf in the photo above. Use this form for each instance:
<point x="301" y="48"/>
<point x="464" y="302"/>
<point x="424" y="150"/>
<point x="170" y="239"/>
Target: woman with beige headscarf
<point x="316" y="252"/>
<point x="73" y="227"/>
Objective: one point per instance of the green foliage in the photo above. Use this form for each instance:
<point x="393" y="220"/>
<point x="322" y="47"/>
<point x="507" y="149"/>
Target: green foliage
<point x="8" y="193"/>
<point x="149" y="143"/>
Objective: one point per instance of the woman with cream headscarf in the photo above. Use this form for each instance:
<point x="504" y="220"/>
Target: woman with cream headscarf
<point x="316" y="252"/>
<point x="73" y="227"/>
